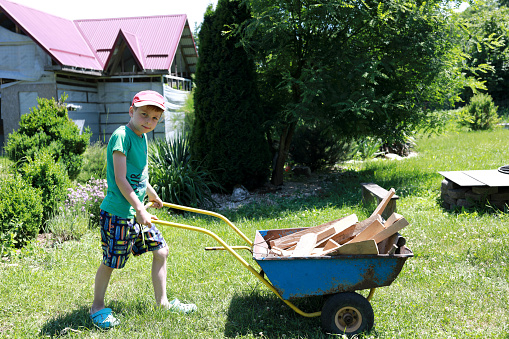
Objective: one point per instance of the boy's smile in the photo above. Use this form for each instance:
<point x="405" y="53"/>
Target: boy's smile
<point x="143" y="119"/>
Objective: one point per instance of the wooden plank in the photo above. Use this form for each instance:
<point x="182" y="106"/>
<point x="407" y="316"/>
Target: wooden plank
<point x="330" y="245"/>
<point x="305" y="245"/>
<point x="492" y="178"/>
<point x="460" y="178"/>
<point x="392" y="219"/>
<point x="291" y="239"/>
<point x="362" y="247"/>
<point x="380" y="208"/>
<point x="376" y="190"/>
<point x="334" y="231"/>
<point x="372" y="193"/>
<point x="390" y="230"/>
<point x="369" y="232"/>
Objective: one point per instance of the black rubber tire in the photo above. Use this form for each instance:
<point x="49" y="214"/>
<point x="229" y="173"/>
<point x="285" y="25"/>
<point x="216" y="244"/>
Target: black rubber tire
<point x="347" y="313"/>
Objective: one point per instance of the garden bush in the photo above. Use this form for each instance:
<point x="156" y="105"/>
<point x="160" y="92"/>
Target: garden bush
<point x="49" y="176"/>
<point x="480" y="113"/>
<point x="48" y="127"/>
<point x="94" y="163"/>
<point x="21" y="211"/>
<point x="175" y="177"/>
<point x="318" y="149"/>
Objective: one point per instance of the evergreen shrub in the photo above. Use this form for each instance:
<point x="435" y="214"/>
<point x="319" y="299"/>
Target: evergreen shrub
<point x="21" y="211"/>
<point x="94" y="163"/>
<point x="49" y="176"/>
<point x="48" y="127"/>
<point x="480" y="113"/>
<point x="228" y="134"/>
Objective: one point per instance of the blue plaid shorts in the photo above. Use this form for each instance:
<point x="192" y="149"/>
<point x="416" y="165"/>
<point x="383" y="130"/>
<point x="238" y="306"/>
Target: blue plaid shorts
<point x="120" y="237"/>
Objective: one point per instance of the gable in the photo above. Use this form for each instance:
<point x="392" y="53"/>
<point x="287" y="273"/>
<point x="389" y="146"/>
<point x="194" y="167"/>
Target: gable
<point x="152" y="40"/>
<point x="151" y="44"/>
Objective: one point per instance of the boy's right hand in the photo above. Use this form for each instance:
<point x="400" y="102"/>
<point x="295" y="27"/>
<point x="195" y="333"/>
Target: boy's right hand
<point x="144" y="218"/>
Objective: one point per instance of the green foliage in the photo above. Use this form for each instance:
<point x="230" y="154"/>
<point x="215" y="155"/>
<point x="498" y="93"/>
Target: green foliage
<point x="480" y="113"/>
<point x="188" y="110"/>
<point x="315" y="147"/>
<point x="94" y="163"/>
<point x="21" y="211"/>
<point x="366" y="148"/>
<point x="68" y="225"/>
<point x="48" y="127"/>
<point x="86" y="199"/>
<point x="484" y="36"/>
<point x="49" y="176"/>
<point x="366" y="68"/>
<point x="227" y="133"/>
<point x="176" y="177"/>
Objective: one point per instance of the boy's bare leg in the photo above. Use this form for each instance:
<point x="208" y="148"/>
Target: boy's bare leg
<point x="102" y="279"/>
<point x="159" y="275"/>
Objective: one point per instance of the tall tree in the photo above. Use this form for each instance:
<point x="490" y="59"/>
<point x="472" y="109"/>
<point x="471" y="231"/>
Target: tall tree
<point x="487" y="30"/>
<point x="227" y="132"/>
<point x="359" y="67"/>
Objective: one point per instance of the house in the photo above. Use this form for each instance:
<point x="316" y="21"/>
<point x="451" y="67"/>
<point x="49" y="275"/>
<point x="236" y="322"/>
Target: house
<point x="98" y="64"/>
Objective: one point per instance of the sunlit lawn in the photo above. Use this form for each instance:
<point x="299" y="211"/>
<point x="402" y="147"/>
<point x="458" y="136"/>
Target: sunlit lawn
<point x="454" y="287"/>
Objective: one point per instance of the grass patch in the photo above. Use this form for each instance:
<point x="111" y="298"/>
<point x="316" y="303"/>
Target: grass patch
<point x="456" y="286"/>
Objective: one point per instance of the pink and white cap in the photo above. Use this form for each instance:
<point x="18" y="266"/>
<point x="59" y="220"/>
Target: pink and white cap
<point x="145" y="98"/>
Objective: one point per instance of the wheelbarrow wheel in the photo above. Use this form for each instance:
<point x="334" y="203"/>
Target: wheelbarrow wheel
<point x="347" y="313"/>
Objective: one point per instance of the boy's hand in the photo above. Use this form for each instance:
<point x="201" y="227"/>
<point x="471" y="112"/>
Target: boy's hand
<point x="144" y="218"/>
<point x="156" y="201"/>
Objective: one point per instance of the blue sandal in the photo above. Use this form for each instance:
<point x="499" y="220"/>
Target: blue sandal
<point x="104" y="319"/>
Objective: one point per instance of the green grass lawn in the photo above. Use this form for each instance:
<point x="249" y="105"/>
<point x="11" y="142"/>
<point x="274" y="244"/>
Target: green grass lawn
<point x="454" y="287"/>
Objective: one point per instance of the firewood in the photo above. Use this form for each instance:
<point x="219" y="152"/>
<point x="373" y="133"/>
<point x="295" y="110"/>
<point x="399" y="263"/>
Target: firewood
<point x="370" y="231"/>
<point x="292" y="239"/>
<point x="391" y="229"/>
<point x="380" y="208"/>
<point x="305" y="245"/>
<point x="362" y="247"/>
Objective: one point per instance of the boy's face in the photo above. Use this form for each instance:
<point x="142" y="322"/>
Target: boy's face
<point x="144" y="119"/>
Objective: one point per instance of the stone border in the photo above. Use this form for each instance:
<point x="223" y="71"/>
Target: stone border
<point x="454" y="195"/>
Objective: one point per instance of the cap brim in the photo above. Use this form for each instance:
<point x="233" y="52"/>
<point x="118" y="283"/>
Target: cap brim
<point x="148" y="103"/>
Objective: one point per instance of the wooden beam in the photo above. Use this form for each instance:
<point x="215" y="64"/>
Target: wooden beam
<point x="362" y="247"/>
<point x="291" y="239"/>
<point x="305" y="245"/>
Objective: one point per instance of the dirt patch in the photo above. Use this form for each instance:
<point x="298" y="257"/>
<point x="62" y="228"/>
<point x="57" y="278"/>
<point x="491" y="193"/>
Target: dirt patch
<point x="297" y="188"/>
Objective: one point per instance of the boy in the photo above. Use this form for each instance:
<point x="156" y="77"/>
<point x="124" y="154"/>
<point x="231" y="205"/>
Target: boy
<point x="123" y="215"/>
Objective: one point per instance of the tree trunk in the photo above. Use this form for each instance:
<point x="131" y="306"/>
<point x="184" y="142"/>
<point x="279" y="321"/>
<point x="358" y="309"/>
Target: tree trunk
<point x="284" y="146"/>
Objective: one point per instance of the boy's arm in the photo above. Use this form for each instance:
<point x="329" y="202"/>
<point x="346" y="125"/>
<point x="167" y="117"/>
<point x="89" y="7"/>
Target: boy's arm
<point x="119" y="166"/>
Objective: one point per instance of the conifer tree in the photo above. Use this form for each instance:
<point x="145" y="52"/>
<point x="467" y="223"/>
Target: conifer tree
<point x="227" y="133"/>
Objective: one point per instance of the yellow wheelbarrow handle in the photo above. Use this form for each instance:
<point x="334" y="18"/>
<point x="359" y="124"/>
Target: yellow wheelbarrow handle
<point x="228" y="248"/>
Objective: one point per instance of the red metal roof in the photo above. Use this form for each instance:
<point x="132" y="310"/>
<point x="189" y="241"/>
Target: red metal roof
<point x="157" y="37"/>
<point x="87" y="44"/>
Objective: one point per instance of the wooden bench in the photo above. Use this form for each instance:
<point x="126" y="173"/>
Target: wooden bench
<point x="372" y="193"/>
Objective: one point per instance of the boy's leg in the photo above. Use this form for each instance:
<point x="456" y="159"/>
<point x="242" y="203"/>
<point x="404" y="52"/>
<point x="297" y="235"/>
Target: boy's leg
<point x="159" y="275"/>
<point x="102" y="279"/>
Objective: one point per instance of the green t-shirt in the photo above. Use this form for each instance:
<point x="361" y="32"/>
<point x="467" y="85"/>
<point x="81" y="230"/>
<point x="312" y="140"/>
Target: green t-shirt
<point x="135" y="149"/>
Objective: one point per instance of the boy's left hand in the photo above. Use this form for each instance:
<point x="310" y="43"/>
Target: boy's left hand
<point x="156" y="201"/>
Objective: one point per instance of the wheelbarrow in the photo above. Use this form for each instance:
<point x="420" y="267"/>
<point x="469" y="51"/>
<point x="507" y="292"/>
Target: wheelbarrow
<point x="337" y="277"/>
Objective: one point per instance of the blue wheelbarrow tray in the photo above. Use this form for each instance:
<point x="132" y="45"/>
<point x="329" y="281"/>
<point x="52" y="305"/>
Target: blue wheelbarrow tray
<point x="297" y="277"/>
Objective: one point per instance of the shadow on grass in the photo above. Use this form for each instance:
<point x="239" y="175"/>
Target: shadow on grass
<point x="256" y="313"/>
<point x="77" y="321"/>
<point x="340" y="189"/>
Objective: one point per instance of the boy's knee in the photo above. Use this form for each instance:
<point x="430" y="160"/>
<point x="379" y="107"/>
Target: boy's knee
<point x="162" y="253"/>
